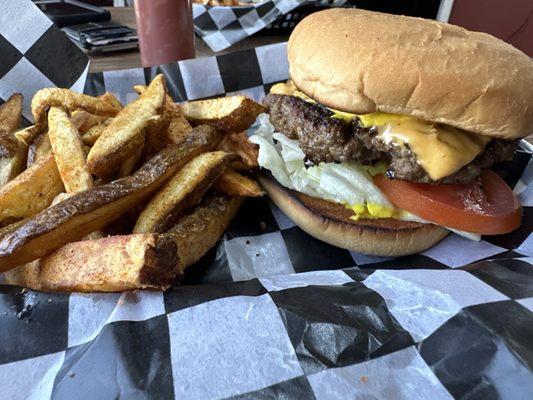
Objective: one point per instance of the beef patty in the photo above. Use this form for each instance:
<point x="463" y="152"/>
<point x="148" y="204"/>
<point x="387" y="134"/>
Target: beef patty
<point x="326" y="139"/>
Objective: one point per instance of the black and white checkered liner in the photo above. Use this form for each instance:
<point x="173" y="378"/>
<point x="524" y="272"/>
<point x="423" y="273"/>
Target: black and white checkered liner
<point x="35" y="54"/>
<point x="273" y="313"/>
<point x="221" y="27"/>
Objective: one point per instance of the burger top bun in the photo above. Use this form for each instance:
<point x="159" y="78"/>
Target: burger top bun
<point x="361" y="62"/>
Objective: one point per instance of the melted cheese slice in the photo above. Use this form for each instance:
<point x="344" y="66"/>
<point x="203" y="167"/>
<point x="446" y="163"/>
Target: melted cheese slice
<point x="440" y="149"/>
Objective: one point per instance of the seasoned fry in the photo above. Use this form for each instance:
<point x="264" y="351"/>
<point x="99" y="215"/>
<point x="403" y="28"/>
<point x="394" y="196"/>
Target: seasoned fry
<point x="182" y="192"/>
<point x="28" y="135"/>
<point x="235" y="184"/>
<point x="91" y="210"/>
<point x="110" y="264"/>
<point x="90" y="137"/>
<point x="238" y="143"/>
<point x="129" y="165"/>
<point x="155" y="134"/>
<point x="110" y="99"/>
<point x="69" y="101"/>
<point x="84" y="121"/>
<point x="198" y="231"/>
<point x="177" y="128"/>
<point x="30" y="192"/>
<point x="230" y="114"/>
<point x="12" y="165"/>
<point x="40" y="148"/>
<point x="124" y="134"/>
<point x="68" y="152"/>
<point x="10" y="116"/>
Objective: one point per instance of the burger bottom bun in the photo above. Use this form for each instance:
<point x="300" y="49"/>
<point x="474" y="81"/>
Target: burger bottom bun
<point x="331" y="223"/>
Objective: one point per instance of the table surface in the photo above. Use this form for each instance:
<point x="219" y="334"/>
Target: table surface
<point x="132" y="59"/>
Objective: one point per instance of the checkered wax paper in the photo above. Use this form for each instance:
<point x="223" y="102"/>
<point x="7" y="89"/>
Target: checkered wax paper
<point x="271" y="312"/>
<point x="35" y="54"/>
<point x="221" y="26"/>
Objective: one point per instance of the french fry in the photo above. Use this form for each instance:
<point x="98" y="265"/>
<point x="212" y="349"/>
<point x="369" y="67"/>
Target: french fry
<point x="235" y="184"/>
<point x="110" y="264"/>
<point x="182" y="192"/>
<point x="91" y="210"/>
<point x="230" y="114"/>
<point x="199" y="231"/>
<point x="178" y="126"/>
<point x="28" y="135"/>
<point x="84" y="121"/>
<point x="110" y="99"/>
<point x="31" y="191"/>
<point x="69" y="101"/>
<point x="238" y="143"/>
<point x="12" y="165"/>
<point x="90" y="137"/>
<point x="40" y="148"/>
<point x="68" y="152"/>
<point x="10" y="117"/>
<point x="129" y="165"/>
<point x="155" y="134"/>
<point x="124" y="134"/>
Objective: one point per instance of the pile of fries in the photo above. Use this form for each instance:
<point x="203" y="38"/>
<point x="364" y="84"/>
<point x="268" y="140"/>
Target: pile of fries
<point x="97" y="196"/>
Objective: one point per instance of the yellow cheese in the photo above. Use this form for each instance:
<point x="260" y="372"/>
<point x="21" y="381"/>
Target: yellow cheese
<point x="290" y="89"/>
<point x="440" y="150"/>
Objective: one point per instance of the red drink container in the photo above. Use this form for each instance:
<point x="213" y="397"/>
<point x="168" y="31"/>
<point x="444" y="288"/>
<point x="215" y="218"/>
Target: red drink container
<point x="165" y="31"/>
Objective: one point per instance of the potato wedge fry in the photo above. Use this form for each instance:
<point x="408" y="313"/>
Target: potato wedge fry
<point x="69" y="101"/>
<point x="68" y="152"/>
<point x="178" y="128"/>
<point x="230" y="114"/>
<point x="90" y="137"/>
<point x="110" y="99"/>
<point x="10" y="117"/>
<point x="235" y="184"/>
<point x="199" y="231"/>
<point x="28" y="135"/>
<point x="123" y="135"/>
<point x="182" y="192"/>
<point x="84" y="121"/>
<point x="12" y="166"/>
<point x="238" y="143"/>
<point x="129" y="165"/>
<point x="40" y="148"/>
<point x="110" y="264"/>
<point x="31" y="191"/>
<point x="156" y="135"/>
<point x="91" y="210"/>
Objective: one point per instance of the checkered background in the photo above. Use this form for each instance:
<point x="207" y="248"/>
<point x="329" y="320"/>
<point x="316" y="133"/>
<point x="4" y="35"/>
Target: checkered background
<point x="35" y="54"/>
<point x="221" y="27"/>
<point x="271" y="312"/>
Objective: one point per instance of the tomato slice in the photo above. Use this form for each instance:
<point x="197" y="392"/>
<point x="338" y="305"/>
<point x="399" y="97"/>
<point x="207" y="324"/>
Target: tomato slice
<point x="486" y="206"/>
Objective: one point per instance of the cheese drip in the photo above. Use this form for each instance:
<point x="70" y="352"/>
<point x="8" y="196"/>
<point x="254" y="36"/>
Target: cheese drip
<point x="440" y="149"/>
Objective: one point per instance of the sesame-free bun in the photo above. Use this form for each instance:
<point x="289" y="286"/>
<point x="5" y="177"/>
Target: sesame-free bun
<point x="361" y="62"/>
<point x="331" y="223"/>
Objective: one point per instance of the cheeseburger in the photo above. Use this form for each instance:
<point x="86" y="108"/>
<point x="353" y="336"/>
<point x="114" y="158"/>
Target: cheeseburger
<point x="382" y="140"/>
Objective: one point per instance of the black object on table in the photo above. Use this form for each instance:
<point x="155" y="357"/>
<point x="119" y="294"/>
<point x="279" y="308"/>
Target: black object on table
<point x="72" y="12"/>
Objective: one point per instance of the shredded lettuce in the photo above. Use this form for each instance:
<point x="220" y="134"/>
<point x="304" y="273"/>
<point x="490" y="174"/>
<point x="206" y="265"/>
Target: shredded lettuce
<point x="349" y="184"/>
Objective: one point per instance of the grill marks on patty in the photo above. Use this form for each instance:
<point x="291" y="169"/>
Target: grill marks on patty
<point x="326" y="139"/>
